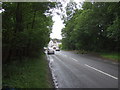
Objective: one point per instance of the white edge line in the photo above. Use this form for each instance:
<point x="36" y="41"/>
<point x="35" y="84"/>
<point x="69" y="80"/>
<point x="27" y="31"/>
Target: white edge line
<point x="101" y="71"/>
<point x="53" y="75"/>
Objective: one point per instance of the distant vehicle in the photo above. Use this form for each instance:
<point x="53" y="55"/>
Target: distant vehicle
<point x="50" y="51"/>
<point x="45" y="48"/>
<point x="54" y="48"/>
<point x="57" y="49"/>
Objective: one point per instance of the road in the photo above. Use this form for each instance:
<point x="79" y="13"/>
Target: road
<point x="73" y="70"/>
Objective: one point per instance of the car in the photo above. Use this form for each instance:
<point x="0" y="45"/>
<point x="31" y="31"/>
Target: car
<point x="50" y="51"/>
<point x="54" y="48"/>
<point x="45" y="48"/>
<point x="57" y="49"/>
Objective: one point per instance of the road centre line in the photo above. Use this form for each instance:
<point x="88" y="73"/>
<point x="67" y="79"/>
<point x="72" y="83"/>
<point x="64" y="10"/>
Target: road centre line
<point x="74" y="59"/>
<point x="65" y="55"/>
<point x="101" y="71"/>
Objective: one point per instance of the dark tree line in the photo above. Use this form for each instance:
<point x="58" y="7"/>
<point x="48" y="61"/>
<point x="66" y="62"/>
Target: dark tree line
<point x="25" y="29"/>
<point x="95" y="27"/>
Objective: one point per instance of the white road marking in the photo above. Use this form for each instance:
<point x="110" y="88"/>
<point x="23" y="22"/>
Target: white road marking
<point x="114" y="63"/>
<point x="69" y="57"/>
<point x="101" y="71"/>
<point x="51" y="59"/>
<point x="74" y="59"/>
<point x="65" y="55"/>
<point x="53" y="72"/>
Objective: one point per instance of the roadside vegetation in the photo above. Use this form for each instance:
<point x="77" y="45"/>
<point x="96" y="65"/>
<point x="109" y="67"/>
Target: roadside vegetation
<point x="94" y="28"/>
<point x="115" y="56"/>
<point x="30" y="73"/>
<point x="112" y="56"/>
<point x="26" y="29"/>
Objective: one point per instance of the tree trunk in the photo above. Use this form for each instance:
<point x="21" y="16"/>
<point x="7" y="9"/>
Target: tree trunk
<point x="19" y="26"/>
<point x="33" y="22"/>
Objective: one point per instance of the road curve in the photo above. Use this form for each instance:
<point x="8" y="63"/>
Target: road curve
<point x="73" y="70"/>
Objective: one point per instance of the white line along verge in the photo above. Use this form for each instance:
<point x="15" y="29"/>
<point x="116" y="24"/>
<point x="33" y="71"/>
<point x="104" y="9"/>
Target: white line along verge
<point x="53" y="72"/>
<point x="74" y="59"/>
<point x="101" y="71"/>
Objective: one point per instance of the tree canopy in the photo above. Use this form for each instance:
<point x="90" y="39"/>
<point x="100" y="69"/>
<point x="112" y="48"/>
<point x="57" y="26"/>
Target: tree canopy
<point x="26" y="29"/>
<point x="95" y="27"/>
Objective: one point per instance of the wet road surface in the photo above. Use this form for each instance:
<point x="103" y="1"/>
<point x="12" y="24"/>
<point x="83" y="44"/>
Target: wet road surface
<point x="73" y="70"/>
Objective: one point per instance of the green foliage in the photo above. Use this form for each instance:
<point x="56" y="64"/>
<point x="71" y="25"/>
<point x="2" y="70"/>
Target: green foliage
<point x="26" y="29"/>
<point x="113" y="56"/>
<point x="81" y="52"/>
<point x="60" y="46"/>
<point x="31" y="73"/>
<point x="114" y="29"/>
<point x="93" y="28"/>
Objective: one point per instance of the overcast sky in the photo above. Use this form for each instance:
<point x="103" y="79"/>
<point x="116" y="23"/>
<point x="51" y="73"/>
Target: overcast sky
<point x="58" y="23"/>
<point x="57" y="26"/>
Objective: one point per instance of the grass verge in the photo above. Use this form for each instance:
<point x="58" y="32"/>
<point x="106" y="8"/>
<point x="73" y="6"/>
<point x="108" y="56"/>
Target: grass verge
<point x="112" y="56"/>
<point x="30" y="73"/>
<point x="106" y="55"/>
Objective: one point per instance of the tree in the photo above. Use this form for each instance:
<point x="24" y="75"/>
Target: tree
<point x="92" y="27"/>
<point x="26" y="30"/>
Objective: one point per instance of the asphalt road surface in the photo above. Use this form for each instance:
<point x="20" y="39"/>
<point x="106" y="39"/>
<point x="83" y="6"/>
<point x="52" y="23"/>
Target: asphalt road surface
<point x="73" y="70"/>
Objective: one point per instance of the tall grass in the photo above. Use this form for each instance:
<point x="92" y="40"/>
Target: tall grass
<point x="31" y="73"/>
<point x="113" y="56"/>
